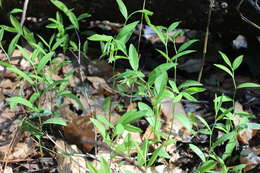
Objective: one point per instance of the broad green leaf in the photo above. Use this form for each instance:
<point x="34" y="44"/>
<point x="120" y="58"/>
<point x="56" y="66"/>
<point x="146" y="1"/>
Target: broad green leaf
<point x="83" y="16"/>
<point x="69" y="94"/>
<point x="186" y="45"/>
<point x="126" y="32"/>
<point x="255" y="126"/>
<point x="225" y="58"/>
<point x="104" y="120"/>
<point x="230" y="146"/>
<point x="120" y="44"/>
<point x="1" y="34"/>
<point x="174" y="86"/>
<point x="223" y="138"/>
<point x="21" y="74"/>
<point x="132" y="128"/>
<point x="237" y="62"/>
<point x="5" y="64"/>
<point x="59" y="42"/>
<point x="43" y="61"/>
<point x="19" y="100"/>
<point x="29" y="36"/>
<point x="8" y="28"/>
<point x="158" y="70"/>
<point x="98" y="37"/>
<point x="16" y="10"/>
<point x="164" y="55"/>
<point x="207" y="166"/>
<point x="12" y="45"/>
<point x="247" y="84"/>
<point x="131" y="116"/>
<point x="92" y="168"/>
<point x="122" y="8"/>
<point x="119" y="129"/>
<point x="145" y="108"/>
<point x="105" y="168"/>
<point x="133" y="57"/>
<point x="73" y="19"/>
<point x="16" y="24"/>
<point x="194" y="90"/>
<point x="203" y="121"/>
<point x="31" y="129"/>
<point x="224" y="68"/>
<point x="101" y="128"/>
<point x="25" y="54"/>
<point x="184" y="120"/>
<point x="173" y="26"/>
<point x="188" y="96"/>
<point x="142" y="152"/>
<point x="185" y="52"/>
<point x="58" y="121"/>
<point x="34" y="97"/>
<point x="197" y="150"/>
<point x="154" y="156"/>
<point x="189" y="83"/>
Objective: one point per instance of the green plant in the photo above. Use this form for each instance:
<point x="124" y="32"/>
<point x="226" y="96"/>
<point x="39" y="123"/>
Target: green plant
<point x="44" y="63"/>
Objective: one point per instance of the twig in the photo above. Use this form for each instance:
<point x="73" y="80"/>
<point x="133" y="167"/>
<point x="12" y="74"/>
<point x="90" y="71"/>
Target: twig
<point x="25" y="5"/>
<point x="244" y="18"/>
<point x="141" y="27"/>
<point x="206" y="40"/>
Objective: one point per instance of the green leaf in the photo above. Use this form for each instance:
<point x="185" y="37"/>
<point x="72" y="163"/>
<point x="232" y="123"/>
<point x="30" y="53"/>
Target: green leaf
<point x="21" y="74"/>
<point x="5" y="64"/>
<point x="229" y="148"/>
<point x="223" y="138"/>
<point x="44" y="60"/>
<point x="225" y="58"/>
<point x="126" y="32"/>
<point x="174" y="86"/>
<point x="247" y="84"/>
<point x="25" y="54"/>
<point x="57" y="120"/>
<point x="131" y="116"/>
<point x="237" y="62"/>
<point x="224" y="68"/>
<point x="207" y="166"/>
<point x="19" y="100"/>
<point x="12" y="45"/>
<point x="8" y="28"/>
<point x="16" y="10"/>
<point x="184" y="120"/>
<point x="104" y="120"/>
<point x="119" y="129"/>
<point x="154" y="156"/>
<point x="59" y="42"/>
<point x="92" y="168"/>
<point x="98" y="37"/>
<point x="69" y="94"/>
<point x="66" y="11"/>
<point x="83" y="16"/>
<point x="105" y="168"/>
<point x="164" y="55"/>
<point x="199" y="153"/>
<point x="186" y="45"/>
<point x="185" y="52"/>
<point x="189" y="83"/>
<point x="16" y="25"/>
<point x="1" y="34"/>
<point x="158" y="70"/>
<point x="122" y="8"/>
<point x="132" y="128"/>
<point x="255" y="126"/>
<point x="101" y="128"/>
<point x="204" y="122"/>
<point x="133" y="57"/>
<point x="173" y="26"/>
<point x="32" y="129"/>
